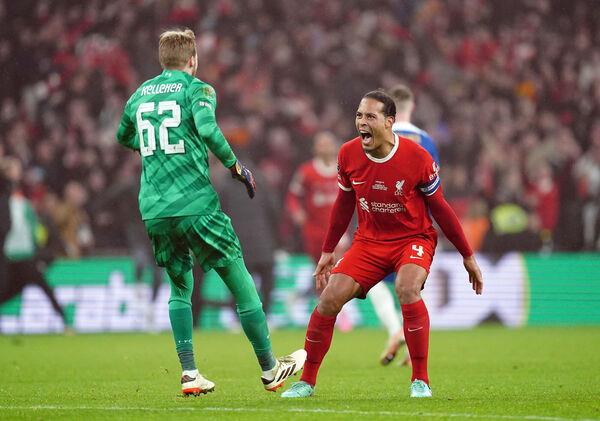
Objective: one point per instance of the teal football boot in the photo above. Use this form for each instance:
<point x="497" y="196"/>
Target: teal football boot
<point x="420" y="389"/>
<point x="299" y="390"/>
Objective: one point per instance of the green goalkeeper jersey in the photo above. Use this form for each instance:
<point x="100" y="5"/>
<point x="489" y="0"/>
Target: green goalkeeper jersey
<point x="170" y="120"/>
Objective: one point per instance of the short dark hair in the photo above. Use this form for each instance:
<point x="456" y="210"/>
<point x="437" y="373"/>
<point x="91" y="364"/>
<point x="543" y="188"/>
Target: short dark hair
<point x="389" y="106"/>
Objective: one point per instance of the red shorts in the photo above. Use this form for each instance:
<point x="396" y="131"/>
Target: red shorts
<point x="368" y="262"/>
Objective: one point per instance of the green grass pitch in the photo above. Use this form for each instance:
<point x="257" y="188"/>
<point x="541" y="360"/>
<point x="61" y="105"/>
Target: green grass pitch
<point x="547" y="374"/>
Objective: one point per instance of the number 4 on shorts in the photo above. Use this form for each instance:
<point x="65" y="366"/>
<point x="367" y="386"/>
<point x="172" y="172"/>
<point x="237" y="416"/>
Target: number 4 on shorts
<point x="418" y="249"/>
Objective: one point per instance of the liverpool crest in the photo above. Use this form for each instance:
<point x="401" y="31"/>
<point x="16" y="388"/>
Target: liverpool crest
<point x="399" y="185"/>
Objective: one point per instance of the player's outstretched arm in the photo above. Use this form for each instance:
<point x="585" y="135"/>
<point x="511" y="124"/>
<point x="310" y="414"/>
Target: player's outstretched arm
<point x="244" y="175"/>
<point x="204" y="103"/>
<point x="444" y="215"/>
<point x="294" y="207"/>
<point x="293" y="199"/>
<point x="475" y="277"/>
<point x="341" y="214"/>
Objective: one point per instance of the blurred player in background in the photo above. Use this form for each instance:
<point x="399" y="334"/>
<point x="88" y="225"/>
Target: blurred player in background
<point x="394" y="185"/>
<point x="170" y="120"/>
<point x="405" y="105"/>
<point x="24" y="264"/>
<point x="312" y="193"/>
<point x="380" y="295"/>
<point x="309" y="201"/>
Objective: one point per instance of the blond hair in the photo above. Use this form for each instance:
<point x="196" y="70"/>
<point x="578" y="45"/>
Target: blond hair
<point x="403" y="96"/>
<point x="175" y="47"/>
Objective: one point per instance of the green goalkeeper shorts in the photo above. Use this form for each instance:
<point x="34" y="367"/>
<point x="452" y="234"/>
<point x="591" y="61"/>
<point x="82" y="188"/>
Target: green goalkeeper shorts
<point x="210" y="237"/>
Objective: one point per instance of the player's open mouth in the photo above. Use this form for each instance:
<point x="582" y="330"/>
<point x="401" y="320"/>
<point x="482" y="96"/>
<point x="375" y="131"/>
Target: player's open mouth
<point x="367" y="138"/>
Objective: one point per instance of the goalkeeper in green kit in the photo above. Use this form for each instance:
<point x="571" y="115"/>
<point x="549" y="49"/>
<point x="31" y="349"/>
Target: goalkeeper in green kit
<point x="170" y="121"/>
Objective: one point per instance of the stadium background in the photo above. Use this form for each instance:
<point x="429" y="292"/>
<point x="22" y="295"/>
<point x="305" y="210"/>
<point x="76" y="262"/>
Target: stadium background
<point x="509" y="90"/>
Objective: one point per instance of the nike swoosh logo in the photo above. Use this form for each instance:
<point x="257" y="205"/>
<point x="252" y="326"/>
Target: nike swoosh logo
<point x="310" y="340"/>
<point x="414" y="330"/>
<point x="358" y="182"/>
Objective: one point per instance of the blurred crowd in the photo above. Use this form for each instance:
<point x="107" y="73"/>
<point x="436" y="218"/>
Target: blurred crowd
<point x="509" y="90"/>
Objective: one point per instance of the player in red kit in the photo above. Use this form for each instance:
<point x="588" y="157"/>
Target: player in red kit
<point x="394" y="185"/>
<point x="312" y="193"/>
<point x="309" y="201"/>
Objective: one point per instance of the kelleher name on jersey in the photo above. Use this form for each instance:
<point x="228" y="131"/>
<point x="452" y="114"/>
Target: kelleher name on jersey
<point x="163" y="88"/>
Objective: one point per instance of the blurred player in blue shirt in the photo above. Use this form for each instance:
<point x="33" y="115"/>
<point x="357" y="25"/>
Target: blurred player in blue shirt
<point x="405" y="104"/>
<point x="380" y="295"/>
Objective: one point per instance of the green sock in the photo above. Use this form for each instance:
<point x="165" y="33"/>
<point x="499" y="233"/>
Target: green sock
<point x="181" y="323"/>
<point x="255" y="327"/>
<point x="249" y="308"/>
<point x="180" y="315"/>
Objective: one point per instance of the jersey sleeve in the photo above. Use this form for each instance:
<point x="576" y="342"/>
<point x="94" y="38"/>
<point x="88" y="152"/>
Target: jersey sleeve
<point x="429" y="178"/>
<point x="446" y="218"/>
<point x="203" y="100"/>
<point x="295" y="192"/>
<point x="297" y="183"/>
<point x="126" y="134"/>
<point x="339" y="218"/>
<point x="343" y="178"/>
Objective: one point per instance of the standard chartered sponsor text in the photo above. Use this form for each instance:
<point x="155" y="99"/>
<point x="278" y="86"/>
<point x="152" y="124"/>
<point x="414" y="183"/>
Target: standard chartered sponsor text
<point x="383" y="207"/>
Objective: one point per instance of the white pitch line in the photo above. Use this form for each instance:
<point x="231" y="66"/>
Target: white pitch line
<point x="309" y="410"/>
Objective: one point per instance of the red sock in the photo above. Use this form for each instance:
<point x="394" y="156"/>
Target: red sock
<point x="416" y="332"/>
<point x="318" y="340"/>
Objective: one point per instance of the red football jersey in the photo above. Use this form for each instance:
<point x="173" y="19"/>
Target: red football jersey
<point x="314" y="188"/>
<point x="390" y="192"/>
